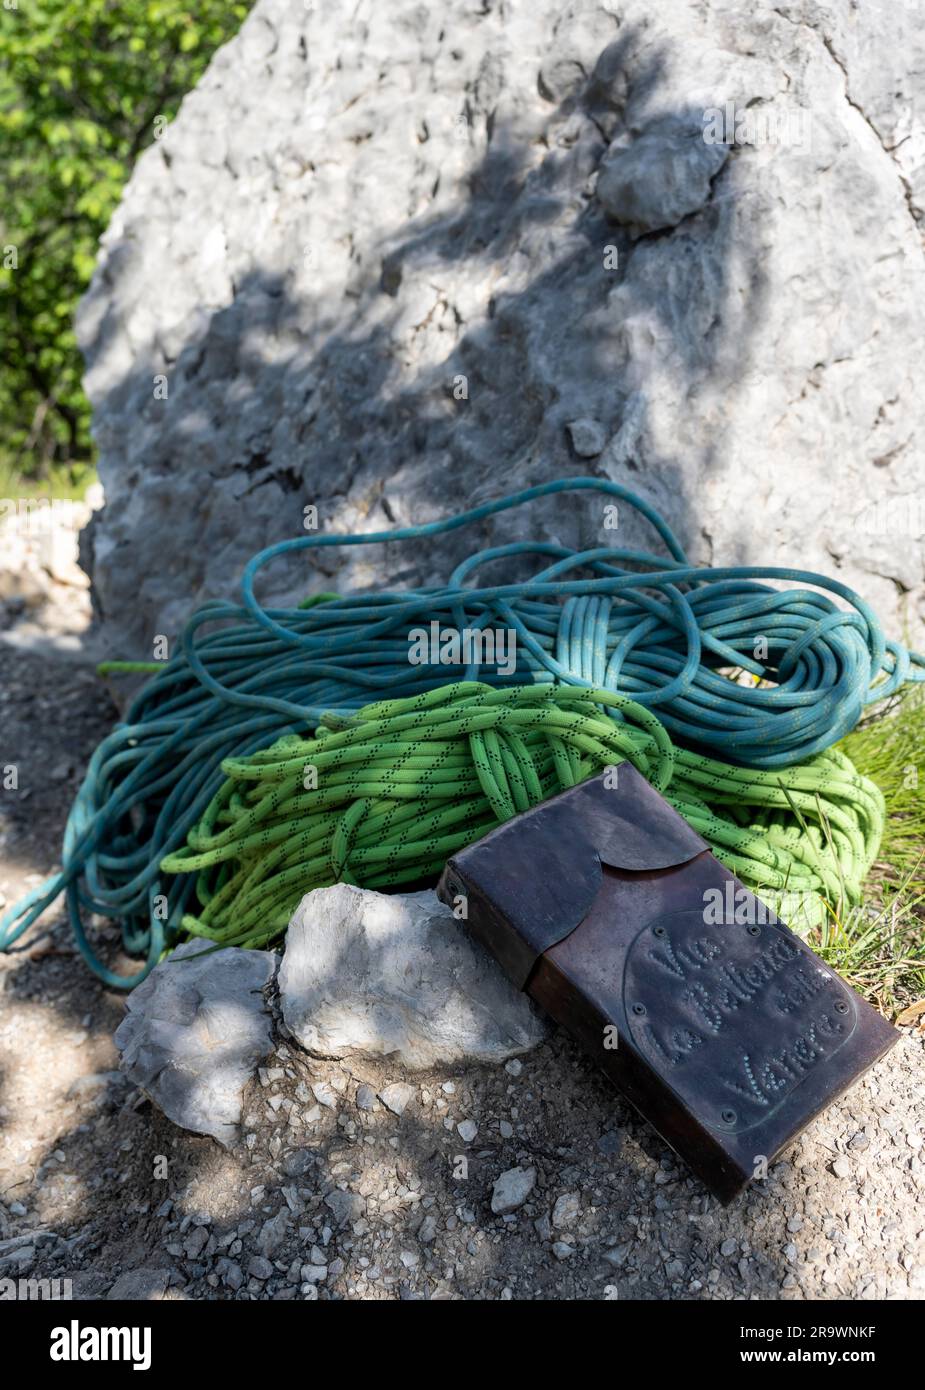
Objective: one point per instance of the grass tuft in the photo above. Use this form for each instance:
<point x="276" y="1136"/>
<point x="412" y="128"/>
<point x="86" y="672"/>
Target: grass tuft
<point x="880" y="946"/>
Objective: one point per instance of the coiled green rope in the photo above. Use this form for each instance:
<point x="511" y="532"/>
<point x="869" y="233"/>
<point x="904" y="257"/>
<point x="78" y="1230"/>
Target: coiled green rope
<point x="653" y="627"/>
<point x="404" y="784"/>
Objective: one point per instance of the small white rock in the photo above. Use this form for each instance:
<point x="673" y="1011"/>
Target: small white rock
<point x="324" y="1094"/>
<point x="396" y="1097"/>
<point x="512" y="1189"/>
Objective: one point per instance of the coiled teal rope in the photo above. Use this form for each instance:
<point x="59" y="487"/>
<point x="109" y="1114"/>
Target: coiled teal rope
<point x="651" y="627"/>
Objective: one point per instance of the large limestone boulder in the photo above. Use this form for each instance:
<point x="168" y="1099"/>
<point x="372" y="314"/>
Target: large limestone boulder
<point x="382" y="264"/>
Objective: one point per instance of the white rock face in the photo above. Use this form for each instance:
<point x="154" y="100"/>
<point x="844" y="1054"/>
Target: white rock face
<point x="194" y="1033"/>
<point x="363" y="972"/>
<point x="348" y="219"/>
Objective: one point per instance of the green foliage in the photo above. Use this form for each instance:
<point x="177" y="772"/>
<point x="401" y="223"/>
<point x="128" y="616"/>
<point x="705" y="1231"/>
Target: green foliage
<point x="81" y="85"/>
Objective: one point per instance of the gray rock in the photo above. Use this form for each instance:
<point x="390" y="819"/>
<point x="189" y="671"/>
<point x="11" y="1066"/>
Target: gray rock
<point x="195" y="1243"/>
<point x="566" y="1211"/>
<point x="345" y="1206"/>
<point x="140" y="1284"/>
<point x="366" y="1098"/>
<point x="298" y="1163"/>
<point x="194" y="1032"/>
<point x="587" y="437"/>
<point x="659" y="178"/>
<point x="313" y="254"/>
<point x="273" y="1233"/>
<point x="229" y="1272"/>
<point x="467" y="1130"/>
<point x="260" y="1268"/>
<point x="611" y="1143"/>
<point x="427" y="1231"/>
<point x="398" y="975"/>
<point x="512" y="1189"/>
<point x="543" y="1226"/>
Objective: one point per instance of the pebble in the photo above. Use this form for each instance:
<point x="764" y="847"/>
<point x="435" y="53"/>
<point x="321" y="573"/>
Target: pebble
<point x="396" y="1097"/>
<point x="566" y="1210"/>
<point x="196" y="1243"/>
<point x="610" y="1143"/>
<point x="324" y="1094"/>
<point x="512" y="1189"/>
<point x="427" y="1230"/>
<point x="346" y="1206"/>
<point x="467" y="1130"/>
<point x="366" y="1098"/>
<point x="587" y="437"/>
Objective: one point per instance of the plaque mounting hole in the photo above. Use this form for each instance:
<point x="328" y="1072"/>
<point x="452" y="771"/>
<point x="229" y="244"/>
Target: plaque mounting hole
<point x="841" y="1007"/>
<point x="754" y="931"/>
<point x="658" y="931"/>
<point x="728" y="1117"/>
<point x="639" y="1010"/>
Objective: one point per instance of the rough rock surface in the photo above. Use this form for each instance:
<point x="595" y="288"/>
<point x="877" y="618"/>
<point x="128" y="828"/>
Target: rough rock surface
<point x="381" y="266"/>
<point x="397" y="976"/>
<point x="195" y="1032"/>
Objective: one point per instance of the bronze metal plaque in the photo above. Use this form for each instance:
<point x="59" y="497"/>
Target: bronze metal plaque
<point x="722" y="1028"/>
<point x="753" y="1014"/>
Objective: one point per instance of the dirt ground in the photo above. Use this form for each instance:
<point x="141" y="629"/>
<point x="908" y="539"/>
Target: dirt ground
<point x="337" y="1201"/>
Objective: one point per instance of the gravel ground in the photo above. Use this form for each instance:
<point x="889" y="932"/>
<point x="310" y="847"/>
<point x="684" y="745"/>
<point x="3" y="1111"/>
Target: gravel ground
<point x="332" y="1194"/>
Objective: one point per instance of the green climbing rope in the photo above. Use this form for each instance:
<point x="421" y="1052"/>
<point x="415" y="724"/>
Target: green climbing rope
<point x="384" y="797"/>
